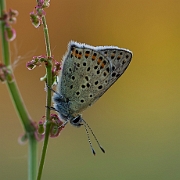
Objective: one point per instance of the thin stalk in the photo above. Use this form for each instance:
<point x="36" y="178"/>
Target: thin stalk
<point x="18" y="101"/>
<point x="48" y="98"/>
<point x="32" y="158"/>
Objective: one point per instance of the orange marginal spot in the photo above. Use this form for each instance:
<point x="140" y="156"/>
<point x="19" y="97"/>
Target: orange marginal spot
<point x="105" y="53"/>
<point x="73" y="52"/>
<point x="112" y="55"/>
<point x="87" y="54"/>
<point x="79" y="56"/>
<point x="76" y="53"/>
<point x="119" y="57"/>
<point x="93" y="57"/>
<point x="102" y="65"/>
<point x="99" y="60"/>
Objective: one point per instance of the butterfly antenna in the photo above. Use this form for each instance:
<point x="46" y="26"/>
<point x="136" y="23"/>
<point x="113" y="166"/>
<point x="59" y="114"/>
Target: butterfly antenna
<point x="59" y="95"/>
<point x="93" y="151"/>
<point x="85" y="123"/>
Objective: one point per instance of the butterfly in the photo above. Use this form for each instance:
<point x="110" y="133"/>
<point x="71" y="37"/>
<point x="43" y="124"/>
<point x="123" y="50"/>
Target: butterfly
<point x="87" y="73"/>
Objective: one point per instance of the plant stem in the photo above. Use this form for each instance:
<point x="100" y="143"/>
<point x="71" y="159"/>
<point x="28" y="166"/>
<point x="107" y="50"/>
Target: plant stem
<point x="18" y="102"/>
<point x="48" y="98"/>
<point x="32" y="160"/>
<point x="5" y="45"/>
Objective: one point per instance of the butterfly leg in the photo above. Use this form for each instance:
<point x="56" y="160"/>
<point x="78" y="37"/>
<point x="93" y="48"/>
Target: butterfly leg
<point x="57" y="96"/>
<point x="52" y="108"/>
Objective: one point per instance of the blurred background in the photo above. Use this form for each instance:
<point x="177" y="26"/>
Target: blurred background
<point x="136" y="120"/>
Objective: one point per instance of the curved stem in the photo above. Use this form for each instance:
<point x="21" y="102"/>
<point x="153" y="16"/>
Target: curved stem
<point x="18" y="101"/>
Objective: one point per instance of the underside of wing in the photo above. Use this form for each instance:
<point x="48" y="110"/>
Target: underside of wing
<point x="88" y="72"/>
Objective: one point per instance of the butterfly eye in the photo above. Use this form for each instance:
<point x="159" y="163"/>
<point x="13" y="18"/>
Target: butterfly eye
<point x="77" y="121"/>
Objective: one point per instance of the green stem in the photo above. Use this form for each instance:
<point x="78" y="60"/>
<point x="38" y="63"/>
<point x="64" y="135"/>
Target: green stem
<point x="17" y="100"/>
<point x="46" y="36"/>
<point x="44" y="150"/>
<point x="48" y="98"/>
<point x="5" y="44"/>
<point x="32" y="158"/>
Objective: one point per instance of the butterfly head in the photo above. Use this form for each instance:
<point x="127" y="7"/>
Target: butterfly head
<point x="76" y="121"/>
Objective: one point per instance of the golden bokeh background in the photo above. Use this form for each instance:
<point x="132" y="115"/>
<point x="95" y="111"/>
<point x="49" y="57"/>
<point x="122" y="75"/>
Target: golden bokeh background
<point x="136" y="121"/>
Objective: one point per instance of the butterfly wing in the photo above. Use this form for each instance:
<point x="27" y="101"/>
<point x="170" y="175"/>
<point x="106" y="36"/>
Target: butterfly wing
<point x="88" y="72"/>
<point x="119" y="59"/>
